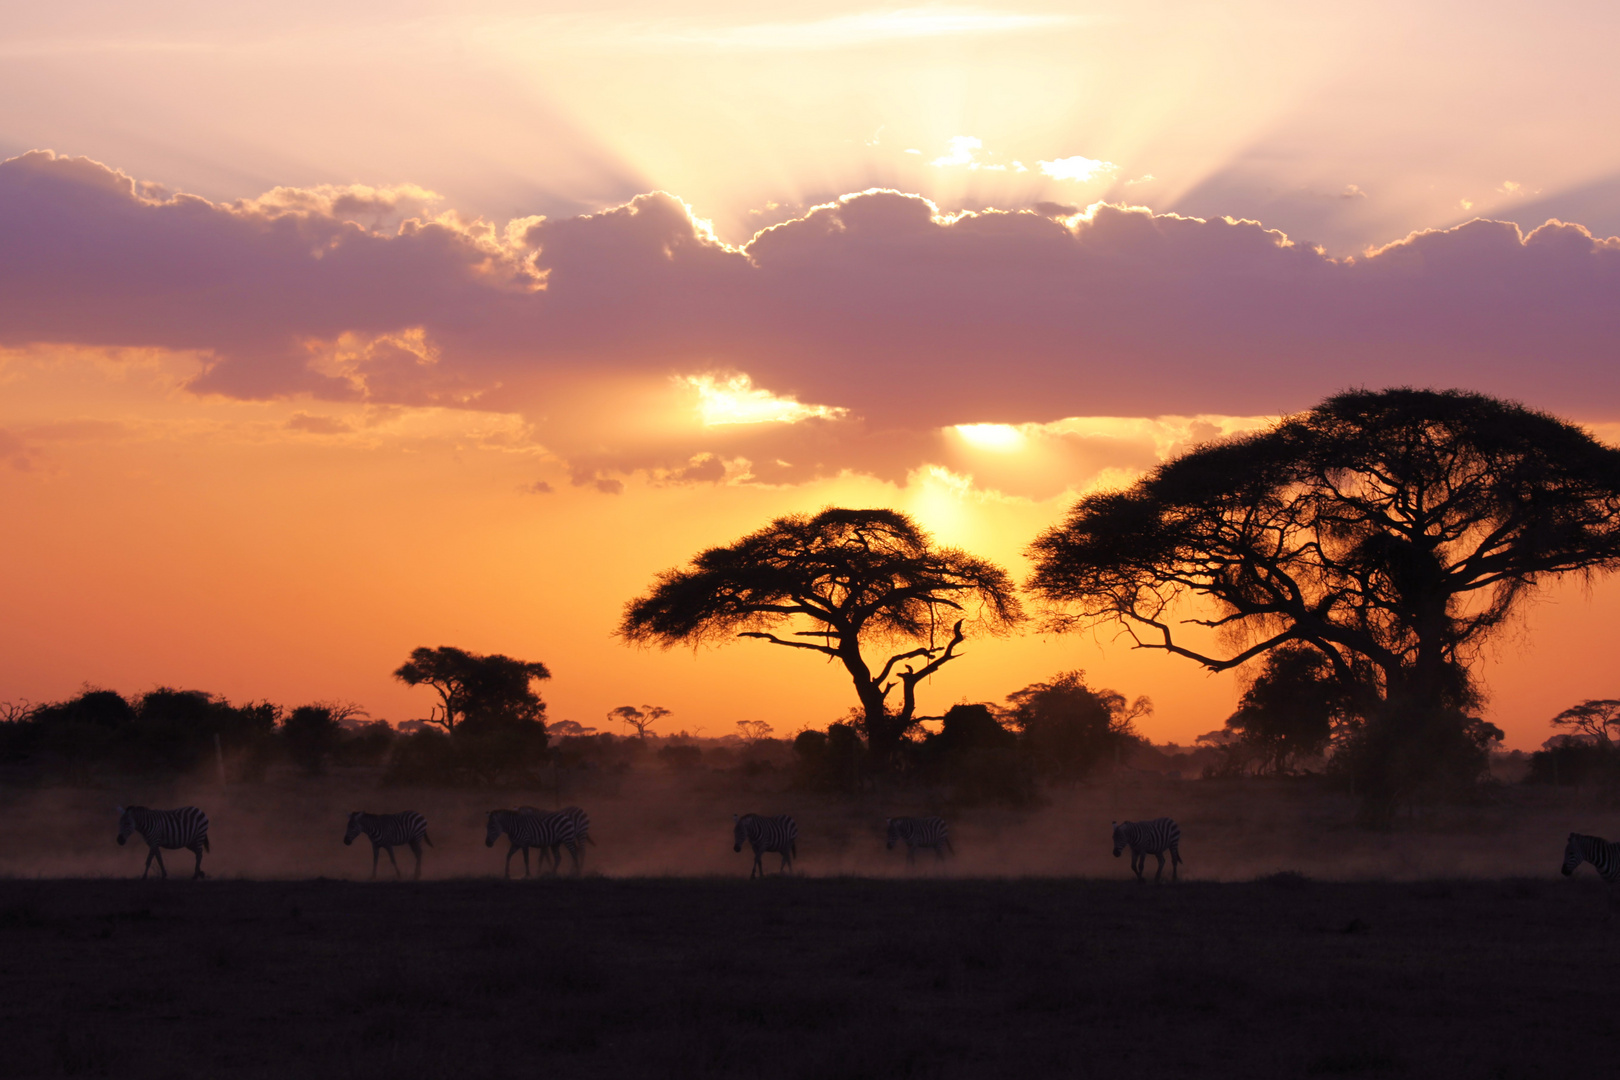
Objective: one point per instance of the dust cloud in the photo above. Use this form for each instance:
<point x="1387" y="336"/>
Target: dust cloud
<point x="654" y="822"/>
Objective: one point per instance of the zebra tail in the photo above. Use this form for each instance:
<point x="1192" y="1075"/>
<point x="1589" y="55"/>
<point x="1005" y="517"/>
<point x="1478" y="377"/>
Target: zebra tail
<point x="427" y="839"/>
<point x="589" y="841"/>
<point x="205" y="844"/>
<point x="793" y="847"/>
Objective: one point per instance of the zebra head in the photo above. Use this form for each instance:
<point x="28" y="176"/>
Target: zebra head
<point x="893" y="827"/>
<point x="126" y="823"/>
<point x="1572" y="854"/>
<point x="497" y="825"/>
<point x="1119" y="838"/>
<point x="354" y="827"/>
<point x="739" y="832"/>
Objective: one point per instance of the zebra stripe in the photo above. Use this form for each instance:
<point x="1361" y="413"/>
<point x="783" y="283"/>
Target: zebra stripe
<point x="1149" y="838"/>
<point x="186" y="827"/>
<point x="528" y="828"/>
<point x="779" y="834"/>
<point x="920" y="832"/>
<point x="1604" y="856"/>
<point x="573" y="832"/>
<point x="385" y="831"/>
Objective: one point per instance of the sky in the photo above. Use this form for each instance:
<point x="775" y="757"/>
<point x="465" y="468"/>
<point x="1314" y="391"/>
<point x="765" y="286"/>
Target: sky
<point x="328" y="331"/>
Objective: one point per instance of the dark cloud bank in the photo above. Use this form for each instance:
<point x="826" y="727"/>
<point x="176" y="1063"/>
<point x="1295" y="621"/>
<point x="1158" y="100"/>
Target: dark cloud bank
<point x="909" y="319"/>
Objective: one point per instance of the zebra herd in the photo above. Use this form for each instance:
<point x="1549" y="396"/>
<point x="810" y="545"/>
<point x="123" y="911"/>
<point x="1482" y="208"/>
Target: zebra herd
<point x="549" y="832"/>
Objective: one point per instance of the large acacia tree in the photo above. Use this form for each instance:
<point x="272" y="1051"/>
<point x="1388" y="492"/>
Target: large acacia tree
<point x="1392" y="531"/>
<point x="840" y="583"/>
<point x="484" y="690"/>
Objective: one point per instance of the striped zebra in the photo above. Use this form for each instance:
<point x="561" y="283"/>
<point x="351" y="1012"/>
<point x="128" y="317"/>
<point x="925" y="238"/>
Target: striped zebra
<point x="385" y="831"/>
<point x="779" y="834"/>
<point x="1604" y="856"/>
<point x="186" y="827"/>
<point x="1149" y="838"/>
<point x="920" y="832"/>
<point x="528" y="827"/>
<point x="572" y="832"/>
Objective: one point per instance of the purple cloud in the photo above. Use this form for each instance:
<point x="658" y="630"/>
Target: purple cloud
<point x="910" y="319"/>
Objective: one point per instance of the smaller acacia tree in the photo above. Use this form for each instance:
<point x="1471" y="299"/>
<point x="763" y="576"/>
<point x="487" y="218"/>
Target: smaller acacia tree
<point x="640" y="719"/>
<point x="1293" y="708"/>
<point x="1069" y="729"/>
<point x="837" y="584"/>
<point x="473" y="687"/>
<point x="1596" y="720"/>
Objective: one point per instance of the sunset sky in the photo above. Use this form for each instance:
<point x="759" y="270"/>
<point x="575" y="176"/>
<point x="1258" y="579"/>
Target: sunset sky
<point x="332" y="330"/>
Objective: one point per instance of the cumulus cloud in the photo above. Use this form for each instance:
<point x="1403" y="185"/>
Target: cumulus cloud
<point x="866" y="327"/>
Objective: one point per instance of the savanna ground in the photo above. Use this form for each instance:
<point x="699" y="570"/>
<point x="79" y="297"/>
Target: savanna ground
<point x="1296" y="945"/>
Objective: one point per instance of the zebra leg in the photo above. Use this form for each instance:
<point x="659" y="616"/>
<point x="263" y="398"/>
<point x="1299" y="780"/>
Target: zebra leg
<point x="758" y="869"/>
<point x="393" y="861"/>
<point x="416" y="849"/>
<point x="787" y="862"/>
<point x="197" y="850"/>
<point x="375" y="850"/>
<point x="1139" y="864"/>
<point x="1175" y="862"/>
<point x="151" y="853"/>
<point x="1158" y="876"/>
<point x="939" y="852"/>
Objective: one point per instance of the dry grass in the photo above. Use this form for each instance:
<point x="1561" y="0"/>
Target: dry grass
<point x="823" y="978"/>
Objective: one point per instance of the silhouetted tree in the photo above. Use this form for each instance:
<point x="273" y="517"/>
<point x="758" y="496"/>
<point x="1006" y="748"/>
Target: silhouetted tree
<point x="1068" y="729"/>
<point x="1597" y="719"/>
<point x="1293" y="708"/>
<point x="850" y="578"/>
<point x="476" y="688"/>
<point x="640" y="719"/>
<point x="1399" y="527"/>
<point x="831" y="760"/>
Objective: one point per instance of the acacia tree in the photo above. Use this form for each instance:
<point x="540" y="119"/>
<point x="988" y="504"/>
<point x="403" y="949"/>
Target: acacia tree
<point x="1596" y="719"/>
<point x="484" y="689"/>
<point x="1395" y="529"/>
<point x="640" y="719"/>
<point x="838" y="584"/>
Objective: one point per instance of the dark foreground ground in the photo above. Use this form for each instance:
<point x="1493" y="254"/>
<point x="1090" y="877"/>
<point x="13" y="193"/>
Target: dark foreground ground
<point x="824" y="978"/>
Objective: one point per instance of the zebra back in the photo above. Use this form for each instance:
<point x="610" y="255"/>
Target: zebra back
<point x="918" y="831"/>
<point x="386" y="830"/>
<point x="779" y="834"/>
<point x="1146" y="837"/>
<point x="526" y="828"/>
<point x="184" y="827"/>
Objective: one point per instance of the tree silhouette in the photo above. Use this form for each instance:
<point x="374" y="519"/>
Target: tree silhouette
<point x="1397" y="528"/>
<point x="1597" y="719"/>
<point x="847" y="580"/>
<point x="1292" y="708"/>
<point x="641" y="719"/>
<point x="486" y="690"/>
<point x="1069" y="729"/>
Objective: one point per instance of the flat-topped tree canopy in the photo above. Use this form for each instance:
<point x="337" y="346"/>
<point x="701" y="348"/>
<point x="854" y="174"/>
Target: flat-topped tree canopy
<point x="1395" y="528"/>
<point x="834" y="584"/>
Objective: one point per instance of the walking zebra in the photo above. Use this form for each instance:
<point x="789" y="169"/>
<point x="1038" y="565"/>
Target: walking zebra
<point x="572" y="831"/>
<point x="920" y="832"/>
<point x="186" y="827"/>
<point x="779" y="834"/>
<point x="386" y="830"/>
<point x="1604" y="856"/>
<point x="1149" y="838"/>
<point x="528" y="827"/>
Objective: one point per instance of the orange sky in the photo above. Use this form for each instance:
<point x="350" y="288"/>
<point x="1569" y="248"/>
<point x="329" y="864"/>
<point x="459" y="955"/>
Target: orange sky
<point x="331" y="331"/>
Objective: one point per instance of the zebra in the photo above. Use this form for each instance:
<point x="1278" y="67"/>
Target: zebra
<point x="186" y="827"/>
<point x="1149" y="838"/>
<point x="528" y="828"/>
<point x="779" y="834"/>
<point x="386" y="830"/>
<point x="1604" y="856"/>
<point x="920" y="832"/>
<point x="572" y="832"/>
